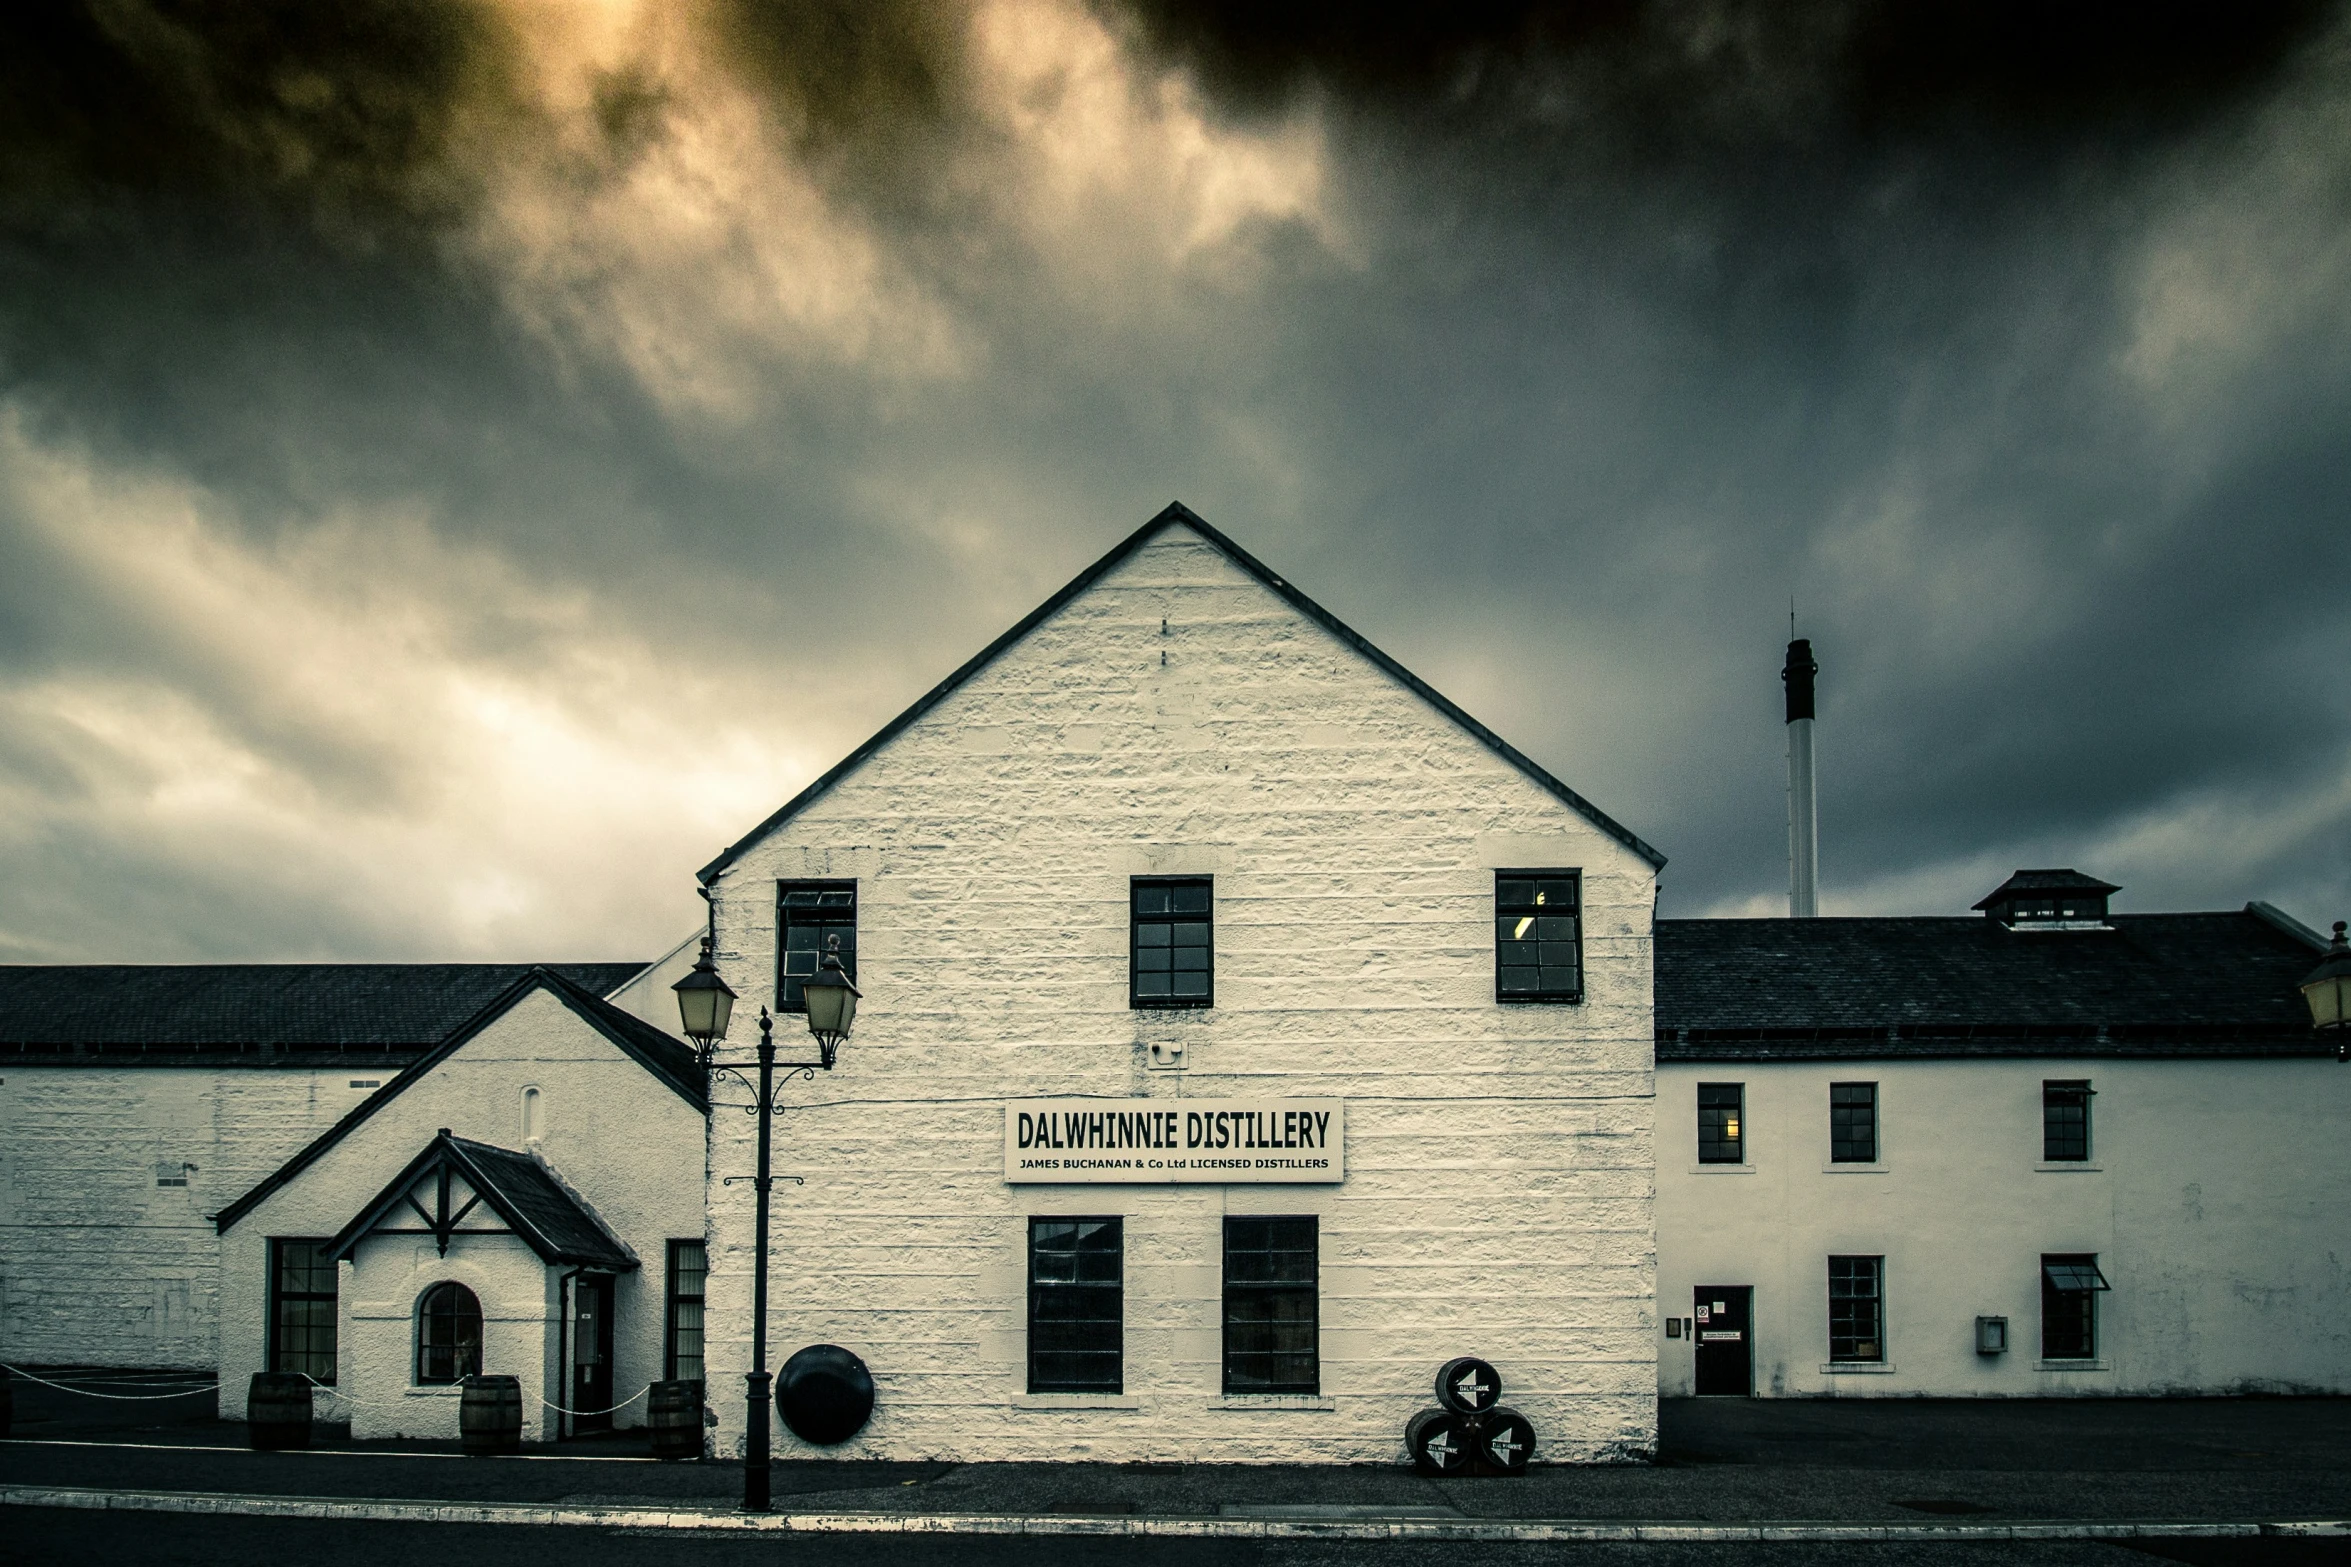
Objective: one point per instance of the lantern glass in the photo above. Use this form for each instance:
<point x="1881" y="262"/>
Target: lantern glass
<point x="831" y="1000"/>
<point x="705" y="1004"/>
<point x="2328" y="1000"/>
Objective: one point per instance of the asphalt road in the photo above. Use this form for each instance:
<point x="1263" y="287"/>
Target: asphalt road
<point x="45" y="1536"/>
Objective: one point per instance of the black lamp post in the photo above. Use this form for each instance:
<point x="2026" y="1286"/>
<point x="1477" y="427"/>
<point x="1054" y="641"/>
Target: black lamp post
<point x="705" y="1003"/>
<point x="2328" y="990"/>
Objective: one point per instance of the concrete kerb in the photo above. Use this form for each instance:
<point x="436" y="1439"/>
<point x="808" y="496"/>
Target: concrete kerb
<point x="1542" y="1530"/>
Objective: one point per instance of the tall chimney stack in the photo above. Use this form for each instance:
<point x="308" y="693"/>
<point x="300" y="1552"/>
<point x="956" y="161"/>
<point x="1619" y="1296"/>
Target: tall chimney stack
<point x="1803" y="801"/>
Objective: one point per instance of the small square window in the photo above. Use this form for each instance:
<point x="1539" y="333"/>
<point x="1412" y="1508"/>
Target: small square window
<point x="1853" y="1123"/>
<point x="1171" y="946"/>
<point x="1857" y="1309"/>
<point x="1722" y="1131"/>
<point x="2065" y="1122"/>
<point x="1077" y="1305"/>
<point x="1538" y="936"/>
<point x="812" y="918"/>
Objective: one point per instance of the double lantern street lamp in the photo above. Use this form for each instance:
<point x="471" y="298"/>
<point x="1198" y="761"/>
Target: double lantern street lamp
<point x="705" y="1004"/>
<point x="2328" y="990"/>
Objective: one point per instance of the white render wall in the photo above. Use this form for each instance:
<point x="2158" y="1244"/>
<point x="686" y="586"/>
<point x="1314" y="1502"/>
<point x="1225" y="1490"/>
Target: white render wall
<point x="625" y="1142"/>
<point x="2215" y="1198"/>
<point x="99" y="1265"/>
<point x="1498" y="1191"/>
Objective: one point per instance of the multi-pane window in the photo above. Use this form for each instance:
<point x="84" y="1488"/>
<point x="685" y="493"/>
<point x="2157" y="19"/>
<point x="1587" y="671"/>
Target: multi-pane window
<point x="2070" y="1283"/>
<point x="681" y="1353"/>
<point x="1077" y="1306"/>
<point x="1538" y="953"/>
<point x="1173" y="956"/>
<point x="1857" y="1309"/>
<point x="813" y="918"/>
<point x="2065" y="1122"/>
<point x="1853" y="1123"/>
<point x="1271" y="1312"/>
<point x="302" y="1309"/>
<point x="448" y="1335"/>
<point x="1721" y="1132"/>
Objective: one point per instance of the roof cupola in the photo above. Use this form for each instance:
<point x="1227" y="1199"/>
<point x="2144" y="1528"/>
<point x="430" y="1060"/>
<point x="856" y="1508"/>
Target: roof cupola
<point x="2050" y="900"/>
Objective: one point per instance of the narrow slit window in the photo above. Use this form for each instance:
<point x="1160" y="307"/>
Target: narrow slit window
<point x="1853" y="1123"/>
<point x="812" y="918"/>
<point x="681" y="1354"/>
<point x="1173" y="953"/>
<point x="1272" y="1306"/>
<point x="1857" y="1310"/>
<point x="1722" y="1123"/>
<point x="1538" y="936"/>
<point x="1077" y="1305"/>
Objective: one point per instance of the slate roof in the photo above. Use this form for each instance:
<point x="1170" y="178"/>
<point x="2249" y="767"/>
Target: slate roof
<point x="671" y="1062"/>
<point x="1177" y="514"/>
<point x="257" y="1014"/>
<point x="520" y="1189"/>
<point x="1833" y="989"/>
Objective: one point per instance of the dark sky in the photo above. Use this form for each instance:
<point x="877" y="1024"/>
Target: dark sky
<point x="462" y="464"/>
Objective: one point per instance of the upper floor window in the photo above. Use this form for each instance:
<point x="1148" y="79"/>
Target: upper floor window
<point x="1538" y="942"/>
<point x="1172" y="955"/>
<point x="302" y="1309"/>
<point x="813" y="917"/>
<point x="1722" y="1132"/>
<point x="1853" y="1123"/>
<point x="448" y="1335"/>
<point x="2065" y="1122"/>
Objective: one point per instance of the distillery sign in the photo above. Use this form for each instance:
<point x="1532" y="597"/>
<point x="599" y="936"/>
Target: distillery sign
<point x="1203" y="1141"/>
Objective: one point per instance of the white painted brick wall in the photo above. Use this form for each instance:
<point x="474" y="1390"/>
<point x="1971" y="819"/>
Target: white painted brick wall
<point x="1499" y="1190"/>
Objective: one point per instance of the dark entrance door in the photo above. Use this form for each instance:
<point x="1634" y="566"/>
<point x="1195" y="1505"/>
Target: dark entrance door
<point x="1726" y="1340"/>
<point x="591" y="1352"/>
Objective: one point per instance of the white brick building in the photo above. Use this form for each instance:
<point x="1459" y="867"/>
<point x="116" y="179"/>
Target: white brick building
<point x="1180" y="717"/>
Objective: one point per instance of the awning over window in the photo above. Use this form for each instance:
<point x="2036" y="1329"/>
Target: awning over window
<point x="2074" y="1278"/>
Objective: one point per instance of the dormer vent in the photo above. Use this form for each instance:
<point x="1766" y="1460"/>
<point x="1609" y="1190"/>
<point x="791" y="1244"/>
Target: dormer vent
<point x="2050" y="900"/>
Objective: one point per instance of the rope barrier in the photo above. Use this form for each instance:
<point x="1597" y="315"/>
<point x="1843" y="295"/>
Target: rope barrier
<point x="119" y="1398"/>
<point x="614" y="1410"/>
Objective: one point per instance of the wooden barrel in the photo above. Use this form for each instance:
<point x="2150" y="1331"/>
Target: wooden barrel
<point x="1440" y="1442"/>
<point x="673" y="1418"/>
<point x="1505" y="1442"/>
<point x="489" y="1416"/>
<point x="277" y="1411"/>
<point x="1468" y="1386"/>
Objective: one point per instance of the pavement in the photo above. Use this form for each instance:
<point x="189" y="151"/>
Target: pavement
<point x="1906" y="1469"/>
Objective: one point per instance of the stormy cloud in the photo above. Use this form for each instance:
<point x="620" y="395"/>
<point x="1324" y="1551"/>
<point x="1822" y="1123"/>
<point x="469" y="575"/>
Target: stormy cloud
<point x="461" y="464"/>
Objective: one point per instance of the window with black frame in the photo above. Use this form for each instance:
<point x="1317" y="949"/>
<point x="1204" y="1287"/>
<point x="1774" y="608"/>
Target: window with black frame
<point x="812" y="918"/>
<point x="1173" y="955"/>
<point x="1857" y="1310"/>
<point x="302" y="1309"/>
<point x="1722" y="1134"/>
<point x="1853" y="1123"/>
<point x="1077" y="1305"/>
<point x="1538" y="941"/>
<point x="2065" y="1122"/>
<point x="2070" y="1282"/>
<point x="448" y="1335"/>
<point x="681" y="1355"/>
<point x="1272" y="1307"/>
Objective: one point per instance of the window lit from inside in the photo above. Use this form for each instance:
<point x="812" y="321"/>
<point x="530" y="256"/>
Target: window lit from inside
<point x="681" y="1354"/>
<point x="2065" y="1122"/>
<point x="1173" y="960"/>
<point x="1721" y="1132"/>
<point x="1538" y="943"/>
<point x="813" y="918"/>
<point x="448" y="1335"/>
<point x="1271" y="1306"/>
<point x="302" y="1309"/>
<point x="1853" y="1123"/>
<point x="2070" y="1282"/>
<point x="1857" y="1310"/>
<point x="1077" y="1306"/>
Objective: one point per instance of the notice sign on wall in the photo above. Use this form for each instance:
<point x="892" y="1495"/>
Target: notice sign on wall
<point x="1200" y="1141"/>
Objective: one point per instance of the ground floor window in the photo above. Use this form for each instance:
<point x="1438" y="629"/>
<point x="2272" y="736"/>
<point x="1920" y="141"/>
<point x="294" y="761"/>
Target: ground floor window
<point x="448" y="1335"/>
<point x="1077" y="1305"/>
<point x="1857" y="1309"/>
<point x="1271" y="1306"/>
<point x="681" y="1354"/>
<point x="302" y="1309"/>
<point x="2070" y="1282"/>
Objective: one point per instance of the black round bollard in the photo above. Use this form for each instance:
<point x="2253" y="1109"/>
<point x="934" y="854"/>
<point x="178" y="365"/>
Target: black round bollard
<point x="673" y="1416"/>
<point x="1468" y="1386"/>
<point x="1439" y="1442"/>
<point x="489" y="1416"/>
<point x="825" y="1394"/>
<point x="1505" y="1442"/>
<point x="277" y="1411"/>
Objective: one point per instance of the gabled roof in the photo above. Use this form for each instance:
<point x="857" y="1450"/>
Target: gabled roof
<point x="2024" y="882"/>
<point x="520" y="1189"/>
<point x="258" y="1013"/>
<point x="1177" y="514"/>
<point x="672" y="1063"/>
<point x="1829" y="989"/>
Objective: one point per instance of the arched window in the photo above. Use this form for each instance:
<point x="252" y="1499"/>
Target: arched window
<point x="448" y="1335"/>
